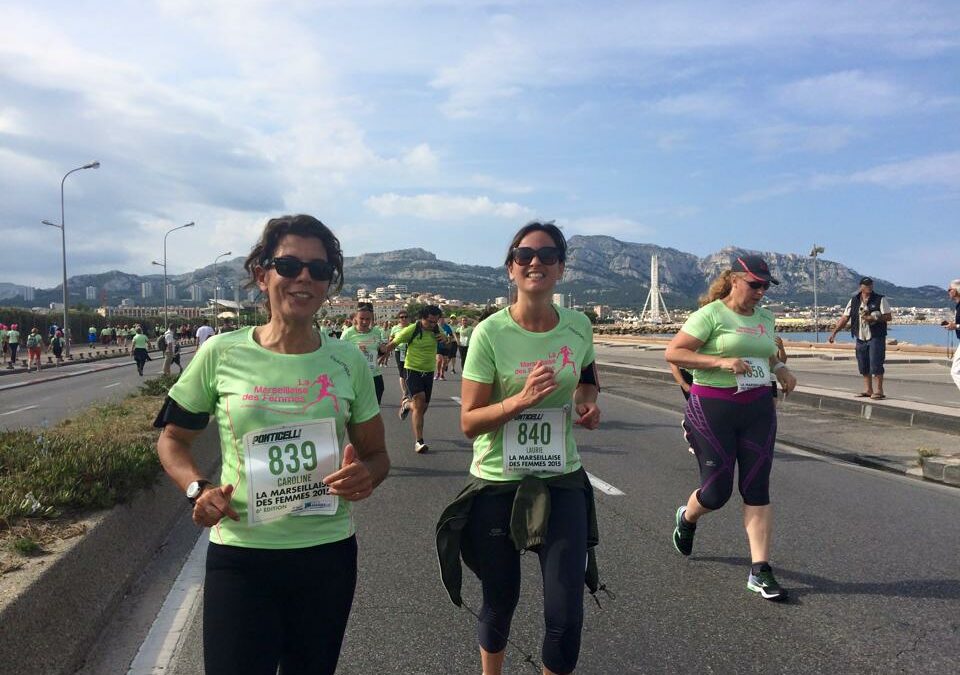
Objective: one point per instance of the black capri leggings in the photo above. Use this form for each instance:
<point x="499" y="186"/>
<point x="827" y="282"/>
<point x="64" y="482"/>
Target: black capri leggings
<point x="289" y="607"/>
<point x="562" y="561"/>
<point x="378" y="386"/>
<point x="725" y="434"/>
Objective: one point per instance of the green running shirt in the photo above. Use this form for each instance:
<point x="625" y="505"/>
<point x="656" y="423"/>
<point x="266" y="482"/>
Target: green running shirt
<point x="503" y="354"/>
<point x="421" y="351"/>
<point x="250" y="388"/>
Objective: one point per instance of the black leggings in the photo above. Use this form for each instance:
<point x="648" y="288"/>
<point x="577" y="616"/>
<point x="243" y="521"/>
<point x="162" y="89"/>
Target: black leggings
<point x="562" y="561"/>
<point x="725" y="434"/>
<point x="263" y="608"/>
<point x="378" y="386"/>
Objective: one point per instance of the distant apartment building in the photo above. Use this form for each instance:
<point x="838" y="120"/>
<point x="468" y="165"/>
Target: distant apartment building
<point x="559" y="299"/>
<point x="500" y="301"/>
<point x="196" y="293"/>
<point x="90" y="292"/>
<point x="146" y="289"/>
<point x="171" y="292"/>
<point x="28" y="292"/>
<point x="127" y="302"/>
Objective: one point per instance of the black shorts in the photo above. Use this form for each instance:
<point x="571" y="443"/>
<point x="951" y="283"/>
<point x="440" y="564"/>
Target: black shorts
<point x="419" y="383"/>
<point x="452" y="350"/>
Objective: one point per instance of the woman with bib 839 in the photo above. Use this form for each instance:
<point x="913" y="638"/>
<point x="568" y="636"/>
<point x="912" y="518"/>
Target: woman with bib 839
<point x="529" y="376"/>
<point x="282" y="559"/>
<point x="728" y="345"/>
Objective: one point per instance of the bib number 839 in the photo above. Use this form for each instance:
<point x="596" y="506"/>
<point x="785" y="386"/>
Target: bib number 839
<point x="534" y="434"/>
<point x="297" y="457"/>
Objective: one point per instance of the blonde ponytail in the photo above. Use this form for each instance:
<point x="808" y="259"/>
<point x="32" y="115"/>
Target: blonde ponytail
<point x="720" y="288"/>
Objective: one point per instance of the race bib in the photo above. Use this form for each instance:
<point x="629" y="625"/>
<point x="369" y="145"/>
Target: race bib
<point x="535" y="441"/>
<point x="285" y="466"/>
<point x="370" y="354"/>
<point x="758" y="374"/>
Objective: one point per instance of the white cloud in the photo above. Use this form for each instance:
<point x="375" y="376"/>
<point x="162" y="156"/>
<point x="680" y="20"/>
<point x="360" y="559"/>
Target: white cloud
<point x="941" y="170"/>
<point x="444" y="207"/>
<point x="622" y="228"/>
<point x="850" y="93"/>
<point x="782" y="138"/>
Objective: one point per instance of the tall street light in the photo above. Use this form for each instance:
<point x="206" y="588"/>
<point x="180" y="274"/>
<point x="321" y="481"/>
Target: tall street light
<point x="216" y="284"/>
<point x="63" y="243"/>
<point x="814" y="252"/>
<point x="164" y="266"/>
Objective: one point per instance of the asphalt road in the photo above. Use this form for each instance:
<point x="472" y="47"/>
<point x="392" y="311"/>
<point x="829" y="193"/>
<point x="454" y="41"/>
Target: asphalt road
<point x="52" y="398"/>
<point x="922" y="382"/>
<point x="870" y="559"/>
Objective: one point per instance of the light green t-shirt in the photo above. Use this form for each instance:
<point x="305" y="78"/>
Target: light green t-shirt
<point x="249" y="389"/>
<point x="13" y="337"/>
<point x="139" y="341"/>
<point x="728" y="334"/>
<point x="367" y="343"/>
<point x="503" y="354"/>
<point x="401" y="348"/>
<point x="34" y="340"/>
<point x="464" y="333"/>
<point x="421" y="350"/>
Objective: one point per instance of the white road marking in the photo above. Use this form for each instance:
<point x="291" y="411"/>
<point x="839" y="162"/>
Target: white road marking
<point x="457" y="399"/>
<point x="604" y="486"/>
<point x="29" y="407"/>
<point x="111" y="385"/>
<point x="160" y="645"/>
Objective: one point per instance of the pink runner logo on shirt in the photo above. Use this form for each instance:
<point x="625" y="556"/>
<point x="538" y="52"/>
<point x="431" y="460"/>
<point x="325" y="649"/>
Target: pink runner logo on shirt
<point x="756" y="331"/>
<point x="564" y="353"/>
<point x="266" y="398"/>
<point x="567" y="353"/>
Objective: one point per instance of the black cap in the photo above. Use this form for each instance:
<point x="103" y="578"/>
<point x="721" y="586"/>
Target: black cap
<point x="866" y="281"/>
<point x="756" y="267"/>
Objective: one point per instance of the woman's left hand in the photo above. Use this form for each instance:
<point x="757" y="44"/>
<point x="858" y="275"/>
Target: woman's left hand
<point x="786" y="379"/>
<point x="589" y="415"/>
<point x="352" y="481"/>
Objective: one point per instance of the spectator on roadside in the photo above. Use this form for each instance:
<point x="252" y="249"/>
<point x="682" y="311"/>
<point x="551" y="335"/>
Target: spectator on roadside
<point x="3" y="339"/>
<point x="56" y="346"/>
<point x="204" y="332"/>
<point x="954" y="293"/>
<point x="92" y="336"/>
<point x="13" y="343"/>
<point x="169" y="349"/>
<point x="868" y="313"/>
<point x="34" y="349"/>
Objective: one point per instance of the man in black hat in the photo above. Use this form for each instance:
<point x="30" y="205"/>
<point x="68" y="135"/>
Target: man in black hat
<point x="868" y="313"/>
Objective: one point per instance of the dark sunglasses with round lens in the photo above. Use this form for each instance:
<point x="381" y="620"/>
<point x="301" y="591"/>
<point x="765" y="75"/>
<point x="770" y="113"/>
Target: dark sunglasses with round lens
<point x="524" y="255"/>
<point x="320" y="270"/>
<point x="757" y="285"/>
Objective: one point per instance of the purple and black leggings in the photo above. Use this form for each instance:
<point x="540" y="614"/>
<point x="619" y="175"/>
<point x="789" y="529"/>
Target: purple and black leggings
<point x="730" y="430"/>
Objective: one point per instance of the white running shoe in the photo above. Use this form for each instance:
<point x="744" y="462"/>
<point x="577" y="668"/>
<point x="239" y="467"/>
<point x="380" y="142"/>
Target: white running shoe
<point x="420" y="448"/>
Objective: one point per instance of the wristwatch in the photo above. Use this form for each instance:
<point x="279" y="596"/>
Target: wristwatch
<point x="195" y="489"/>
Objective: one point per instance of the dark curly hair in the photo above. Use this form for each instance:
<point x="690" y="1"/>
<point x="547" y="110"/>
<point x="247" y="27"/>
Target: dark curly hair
<point x="302" y="226"/>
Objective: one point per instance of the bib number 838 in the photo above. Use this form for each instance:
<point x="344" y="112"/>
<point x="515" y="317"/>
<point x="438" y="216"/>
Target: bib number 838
<point x="534" y="434"/>
<point x="297" y="457"/>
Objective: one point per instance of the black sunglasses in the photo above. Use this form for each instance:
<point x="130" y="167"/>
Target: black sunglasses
<point x="524" y="255"/>
<point x="401" y="316"/>
<point x="320" y="270"/>
<point x="757" y="285"/>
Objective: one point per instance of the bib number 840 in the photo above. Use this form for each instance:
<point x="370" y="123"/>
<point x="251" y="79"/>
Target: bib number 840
<point x="534" y="434"/>
<point x="292" y="457"/>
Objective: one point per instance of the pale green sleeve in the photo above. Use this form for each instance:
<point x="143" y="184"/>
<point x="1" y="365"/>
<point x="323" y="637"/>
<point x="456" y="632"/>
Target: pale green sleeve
<point x="700" y="324"/>
<point x="196" y="389"/>
<point x="481" y="365"/>
<point x="365" y="406"/>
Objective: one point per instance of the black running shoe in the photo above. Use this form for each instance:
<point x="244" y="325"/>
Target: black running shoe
<point x="683" y="533"/>
<point x="766" y="585"/>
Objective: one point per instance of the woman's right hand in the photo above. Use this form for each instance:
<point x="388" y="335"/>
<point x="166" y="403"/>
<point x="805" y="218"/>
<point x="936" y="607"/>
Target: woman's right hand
<point x="735" y="366"/>
<point x="213" y="505"/>
<point x="540" y="384"/>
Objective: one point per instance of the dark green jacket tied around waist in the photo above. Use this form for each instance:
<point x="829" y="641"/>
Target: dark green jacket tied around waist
<point x="528" y="524"/>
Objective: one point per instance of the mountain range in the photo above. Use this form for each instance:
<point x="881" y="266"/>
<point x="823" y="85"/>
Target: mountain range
<point x="599" y="269"/>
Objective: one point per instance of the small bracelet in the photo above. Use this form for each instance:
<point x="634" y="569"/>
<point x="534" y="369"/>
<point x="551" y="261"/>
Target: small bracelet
<point x="503" y="410"/>
<point x="779" y="365"/>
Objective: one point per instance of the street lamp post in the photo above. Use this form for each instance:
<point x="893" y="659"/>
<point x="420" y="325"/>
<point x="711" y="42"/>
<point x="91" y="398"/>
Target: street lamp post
<point x="814" y="252"/>
<point x="164" y="266"/>
<point x="216" y="284"/>
<point x="63" y="244"/>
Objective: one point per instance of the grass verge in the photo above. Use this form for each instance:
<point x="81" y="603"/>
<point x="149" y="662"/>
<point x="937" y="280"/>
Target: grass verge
<point x="50" y="477"/>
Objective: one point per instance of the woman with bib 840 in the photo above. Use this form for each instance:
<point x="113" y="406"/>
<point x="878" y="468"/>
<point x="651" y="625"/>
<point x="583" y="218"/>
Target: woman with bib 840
<point x="529" y="376"/>
<point x="728" y="345"/>
<point x="301" y="438"/>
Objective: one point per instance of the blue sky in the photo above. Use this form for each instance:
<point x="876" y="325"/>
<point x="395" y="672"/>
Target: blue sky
<point x="446" y="125"/>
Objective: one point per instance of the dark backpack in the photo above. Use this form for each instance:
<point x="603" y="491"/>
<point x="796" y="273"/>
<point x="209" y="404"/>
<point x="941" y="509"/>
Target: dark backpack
<point x="162" y="343"/>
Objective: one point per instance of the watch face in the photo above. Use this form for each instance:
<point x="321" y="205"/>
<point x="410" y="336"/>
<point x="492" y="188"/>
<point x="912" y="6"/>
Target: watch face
<point x="193" y="490"/>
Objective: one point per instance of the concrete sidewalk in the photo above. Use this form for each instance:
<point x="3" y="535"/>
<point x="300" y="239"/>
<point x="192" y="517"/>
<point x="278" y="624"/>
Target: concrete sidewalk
<point x="904" y="437"/>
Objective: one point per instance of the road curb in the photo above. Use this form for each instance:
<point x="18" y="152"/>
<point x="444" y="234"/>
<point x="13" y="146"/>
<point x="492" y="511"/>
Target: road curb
<point x="50" y="625"/>
<point x="850" y="406"/>
<point x="951" y="471"/>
